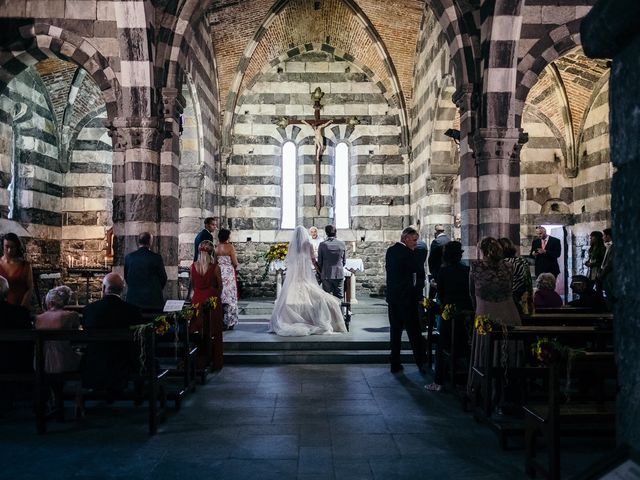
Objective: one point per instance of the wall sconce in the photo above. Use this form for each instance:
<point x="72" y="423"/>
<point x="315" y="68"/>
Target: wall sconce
<point x="453" y="134"/>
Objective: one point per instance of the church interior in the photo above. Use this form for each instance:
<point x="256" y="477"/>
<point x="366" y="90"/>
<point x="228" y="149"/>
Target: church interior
<point x="485" y="117"/>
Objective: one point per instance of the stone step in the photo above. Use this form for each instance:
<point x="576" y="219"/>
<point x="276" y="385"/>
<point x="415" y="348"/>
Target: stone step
<point x="310" y="345"/>
<point x="312" y="357"/>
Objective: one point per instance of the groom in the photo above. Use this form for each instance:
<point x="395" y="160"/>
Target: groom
<point x="331" y="260"/>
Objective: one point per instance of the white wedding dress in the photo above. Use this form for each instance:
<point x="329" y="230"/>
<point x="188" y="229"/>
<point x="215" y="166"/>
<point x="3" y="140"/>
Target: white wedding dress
<point x="303" y="308"/>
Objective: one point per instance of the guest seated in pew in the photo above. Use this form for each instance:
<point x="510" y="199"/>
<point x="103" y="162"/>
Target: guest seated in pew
<point x="107" y="365"/>
<point x="15" y="357"/>
<point x="588" y="297"/>
<point x="59" y="357"/>
<point x="546" y="295"/>
<point x="453" y="289"/>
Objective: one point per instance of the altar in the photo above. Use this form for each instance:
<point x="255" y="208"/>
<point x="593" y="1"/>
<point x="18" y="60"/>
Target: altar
<point x="352" y="266"/>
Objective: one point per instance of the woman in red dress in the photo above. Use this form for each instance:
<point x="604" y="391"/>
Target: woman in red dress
<point x="17" y="271"/>
<point x="206" y="280"/>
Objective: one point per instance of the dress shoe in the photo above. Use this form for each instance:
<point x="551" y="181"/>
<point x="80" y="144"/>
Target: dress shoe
<point x="397" y="367"/>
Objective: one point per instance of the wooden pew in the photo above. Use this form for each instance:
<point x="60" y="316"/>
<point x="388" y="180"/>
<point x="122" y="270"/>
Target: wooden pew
<point x="153" y="378"/>
<point x="492" y="376"/>
<point x="569" y="319"/>
<point x="552" y="417"/>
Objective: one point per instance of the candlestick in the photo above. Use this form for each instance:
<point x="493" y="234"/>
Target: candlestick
<point x="69" y="261"/>
<point x="105" y="262"/>
<point x="354" y="247"/>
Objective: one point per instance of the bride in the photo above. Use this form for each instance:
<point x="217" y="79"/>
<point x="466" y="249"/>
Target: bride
<point x="303" y="308"/>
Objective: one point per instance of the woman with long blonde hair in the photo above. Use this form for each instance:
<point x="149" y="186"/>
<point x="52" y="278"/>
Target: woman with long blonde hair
<point x="206" y="280"/>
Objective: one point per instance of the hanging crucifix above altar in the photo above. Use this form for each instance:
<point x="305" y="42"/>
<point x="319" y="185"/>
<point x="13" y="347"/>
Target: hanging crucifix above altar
<point x="318" y="126"/>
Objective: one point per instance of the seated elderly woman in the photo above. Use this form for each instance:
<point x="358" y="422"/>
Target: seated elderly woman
<point x="546" y="295"/>
<point x="59" y="357"/>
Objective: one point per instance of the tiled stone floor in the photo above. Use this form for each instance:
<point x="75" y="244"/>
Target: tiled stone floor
<point x="278" y="422"/>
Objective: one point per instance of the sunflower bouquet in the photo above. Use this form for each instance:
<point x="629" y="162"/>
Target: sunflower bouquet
<point x="548" y="350"/>
<point x="276" y="251"/>
<point x="484" y="324"/>
<point x="448" y="312"/>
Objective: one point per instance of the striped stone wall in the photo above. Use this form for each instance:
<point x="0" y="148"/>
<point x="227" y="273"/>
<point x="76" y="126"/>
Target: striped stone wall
<point x="379" y="190"/>
<point x="433" y="166"/>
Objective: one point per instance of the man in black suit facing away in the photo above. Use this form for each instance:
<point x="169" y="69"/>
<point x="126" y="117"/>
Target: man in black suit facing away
<point x="145" y="275"/>
<point x="107" y="365"/>
<point x="403" y="294"/>
<point x="206" y="233"/>
<point x="546" y="250"/>
<point x="435" y="257"/>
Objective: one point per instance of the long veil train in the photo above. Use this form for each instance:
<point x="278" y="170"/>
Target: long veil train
<point x="303" y="308"/>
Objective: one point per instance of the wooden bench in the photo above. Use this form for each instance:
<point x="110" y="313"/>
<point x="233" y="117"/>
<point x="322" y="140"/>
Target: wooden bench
<point x="455" y="366"/>
<point x="491" y="376"/>
<point x="152" y="377"/>
<point x="554" y="416"/>
<point x="576" y="319"/>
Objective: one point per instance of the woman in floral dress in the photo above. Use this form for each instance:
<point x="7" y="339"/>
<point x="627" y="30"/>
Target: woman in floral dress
<point x="228" y="262"/>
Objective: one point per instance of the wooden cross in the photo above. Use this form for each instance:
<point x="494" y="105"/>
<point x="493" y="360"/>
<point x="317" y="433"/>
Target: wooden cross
<point x="318" y="125"/>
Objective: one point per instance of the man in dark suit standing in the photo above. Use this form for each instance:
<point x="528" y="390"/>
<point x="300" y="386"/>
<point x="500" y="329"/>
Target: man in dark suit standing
<point x="210" y="226"/>
<point x="402" y="266"/>
<point x="331" y="261"/>
<point x="107" y="365"/>
<point x="435" y="257"/>
<point x="546" y="250"/>
<point x="145" y="275"/>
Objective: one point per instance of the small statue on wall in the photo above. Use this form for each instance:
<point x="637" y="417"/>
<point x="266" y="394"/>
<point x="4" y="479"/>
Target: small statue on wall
<point x="107" y="242"/>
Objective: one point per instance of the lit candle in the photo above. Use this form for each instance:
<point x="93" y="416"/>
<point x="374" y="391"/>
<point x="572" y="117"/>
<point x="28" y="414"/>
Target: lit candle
<point x="354" y="247"/>
<point x="105" y="261"/>
<point x="69" y="261"/>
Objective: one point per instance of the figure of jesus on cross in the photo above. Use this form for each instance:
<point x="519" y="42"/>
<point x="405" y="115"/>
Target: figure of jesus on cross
<point x="317" y="125"/>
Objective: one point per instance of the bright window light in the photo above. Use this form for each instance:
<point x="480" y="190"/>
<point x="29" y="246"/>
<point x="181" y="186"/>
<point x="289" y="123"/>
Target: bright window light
<point x="289" y="185"/>
<point x="341" y="186"/>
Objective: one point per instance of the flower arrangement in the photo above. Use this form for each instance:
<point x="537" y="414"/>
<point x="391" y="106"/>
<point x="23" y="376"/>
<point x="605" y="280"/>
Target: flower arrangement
<point x="161" y="324"/>
<point x="448" y="312"/>
<point x="277" y="251"/>
<point x="484" y="324"/>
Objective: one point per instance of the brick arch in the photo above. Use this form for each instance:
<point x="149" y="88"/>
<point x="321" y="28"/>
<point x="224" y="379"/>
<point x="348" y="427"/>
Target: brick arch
<point x="41" y="40"/>
<point x="261" y="53"/>
<point x="550" y="47"/>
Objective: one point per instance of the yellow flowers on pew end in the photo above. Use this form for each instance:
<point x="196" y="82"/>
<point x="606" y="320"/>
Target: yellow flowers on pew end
<point x="549" y="351"/>
<point x="427" y="304"/>
<point x="161" y="324"/>
<point x="484" y="324"/>
<point x="448" y="312"/>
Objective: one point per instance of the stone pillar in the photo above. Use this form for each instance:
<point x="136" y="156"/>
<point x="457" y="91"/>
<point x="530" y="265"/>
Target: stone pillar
<point x="611" y="30"/>
<point x="466" y="99"/>
<point x="136" y="187"/>
<point x="173" y="104"/>
<point x="498" y="183"/>
<point x="439" y="207"/>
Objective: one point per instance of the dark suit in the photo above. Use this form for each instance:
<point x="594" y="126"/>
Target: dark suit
<point x="421" y="253"/>
<point x="547" y="262"/>
<point x="107" y="365"/>
<point x="402" y="266"/>
<point x="146" y="277"/>
<point x="15" y="356"/>
<point x="331" y="261"/>
<point x="435" y="259"/>
<point x="201" y="237"/>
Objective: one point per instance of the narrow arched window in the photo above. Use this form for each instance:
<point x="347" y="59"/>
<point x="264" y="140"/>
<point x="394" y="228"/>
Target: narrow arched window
<point x="341" y="186"/>
<point x="288" y="193"/>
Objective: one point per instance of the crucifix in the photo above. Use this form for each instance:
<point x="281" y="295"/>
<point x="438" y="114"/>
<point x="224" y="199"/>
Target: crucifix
<point x="318" y="126"/>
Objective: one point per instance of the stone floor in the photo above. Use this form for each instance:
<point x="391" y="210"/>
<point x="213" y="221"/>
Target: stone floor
<point x="277" y="422"/>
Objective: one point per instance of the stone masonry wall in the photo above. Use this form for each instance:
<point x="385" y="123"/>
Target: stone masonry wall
<point x="378" y="179"/>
